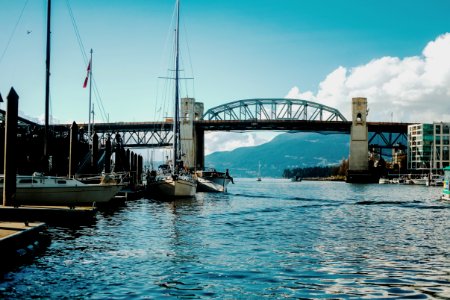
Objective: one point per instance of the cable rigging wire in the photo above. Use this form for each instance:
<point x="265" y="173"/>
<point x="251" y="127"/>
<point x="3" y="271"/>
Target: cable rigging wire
<point x="190" y="61"/>
<point x="163" y="104"/>
<point x="13" y="32"/>
<point x="97" y="95"/>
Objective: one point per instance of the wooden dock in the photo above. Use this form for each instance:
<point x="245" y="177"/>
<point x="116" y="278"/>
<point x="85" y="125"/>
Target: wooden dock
<point x="48" y="214"/>
<point x="20" y="241"/>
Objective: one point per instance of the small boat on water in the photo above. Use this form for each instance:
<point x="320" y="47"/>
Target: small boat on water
<point x="420" y="181"/>
<point x="296" y="178"/>
<point x="435" y="180"/>
<point x="38" y="189"/>
<point x="211" y="180"/>
<point x="384" y="180"/>
<point x="259" y="172"/>
<point x="446" y="184"/>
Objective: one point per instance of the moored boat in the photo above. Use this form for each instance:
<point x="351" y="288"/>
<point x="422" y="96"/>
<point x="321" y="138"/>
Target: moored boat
<point x="446" y="184"/>
<point x="420" y="180"/>
<point x="166" y="185"/>
<point x="211" y="180"/>
<point x="435" y="180"/>
<point x="383" y="180"/>
<point x="38" y="189"/>
<point x="176" y="180"/>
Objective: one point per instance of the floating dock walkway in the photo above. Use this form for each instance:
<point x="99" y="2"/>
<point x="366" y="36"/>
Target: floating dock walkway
<point x="20" y="241"/>
<point x="48" y="214"/>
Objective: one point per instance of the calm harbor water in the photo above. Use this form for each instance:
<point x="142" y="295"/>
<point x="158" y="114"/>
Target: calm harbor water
<point x="270" y="239"/>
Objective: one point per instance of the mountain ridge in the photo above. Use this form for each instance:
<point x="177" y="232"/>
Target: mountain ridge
<point x="287" y="150"/>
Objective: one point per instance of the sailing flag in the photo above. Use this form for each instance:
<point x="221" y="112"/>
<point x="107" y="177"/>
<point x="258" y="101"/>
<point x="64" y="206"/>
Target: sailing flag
<point x="87" y="75"/>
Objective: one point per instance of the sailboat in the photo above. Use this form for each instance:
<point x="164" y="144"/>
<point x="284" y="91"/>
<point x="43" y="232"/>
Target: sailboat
<point x="37" y="189"/>
<point x="174" y="180"/>
<point x="259" y="171"/>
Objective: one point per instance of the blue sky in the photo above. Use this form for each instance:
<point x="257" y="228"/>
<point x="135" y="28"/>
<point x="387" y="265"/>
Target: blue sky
<point x="237" y="50"/>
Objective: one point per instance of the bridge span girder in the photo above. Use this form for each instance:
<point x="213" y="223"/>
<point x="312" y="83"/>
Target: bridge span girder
<point x="159" y="134"/>
<point x="273" y="109"/>
<point x="137" y="135"/>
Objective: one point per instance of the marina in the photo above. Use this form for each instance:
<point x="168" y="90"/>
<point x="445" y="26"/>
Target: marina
<point x="281" y="239"/>
<point x="86" y="214"/>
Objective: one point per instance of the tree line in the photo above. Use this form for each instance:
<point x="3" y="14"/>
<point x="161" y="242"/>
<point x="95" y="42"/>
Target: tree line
<point x="318" y="171"/>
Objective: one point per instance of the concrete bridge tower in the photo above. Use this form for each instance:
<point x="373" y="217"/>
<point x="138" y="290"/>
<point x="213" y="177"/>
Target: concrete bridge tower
<point x="189" y="111"/>
<point x="359" y="144"/>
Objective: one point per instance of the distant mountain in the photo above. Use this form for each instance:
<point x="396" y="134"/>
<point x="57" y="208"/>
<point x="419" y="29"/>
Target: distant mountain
<point x="288" y="150"/>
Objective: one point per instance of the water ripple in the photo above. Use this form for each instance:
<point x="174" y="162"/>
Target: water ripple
<point x="308" y="240"/>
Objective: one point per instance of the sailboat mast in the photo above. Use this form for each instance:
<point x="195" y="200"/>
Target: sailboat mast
<point x="90" y="93"/>
<point x="47" y="84"/>
<point x="176" y="125"/>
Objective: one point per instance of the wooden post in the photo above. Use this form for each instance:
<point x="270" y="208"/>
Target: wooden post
<point x="118" y="166"/>
<point x="127" y="160"/>
<point x="94" y="157"/>
<point x="139" y="168"/>
<point x="108" y="156"/>
<point x="130" y="160"/>
<point x="135" y="168"/>
<point x="73" y="161"/>
<point x="10" y="165"/>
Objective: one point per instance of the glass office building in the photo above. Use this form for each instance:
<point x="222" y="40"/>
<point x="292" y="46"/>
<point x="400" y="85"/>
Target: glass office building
<point x="428" y="146"/>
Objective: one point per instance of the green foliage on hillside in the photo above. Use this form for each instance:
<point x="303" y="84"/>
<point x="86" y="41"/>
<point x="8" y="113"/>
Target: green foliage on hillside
<point x="318" y="171"/>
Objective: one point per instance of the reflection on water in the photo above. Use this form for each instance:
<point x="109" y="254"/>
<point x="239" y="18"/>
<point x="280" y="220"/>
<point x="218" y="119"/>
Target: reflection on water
<point x="271" y="239"/>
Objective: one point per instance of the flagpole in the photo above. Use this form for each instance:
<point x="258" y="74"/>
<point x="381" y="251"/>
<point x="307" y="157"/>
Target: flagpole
<point x="90" y="93"/>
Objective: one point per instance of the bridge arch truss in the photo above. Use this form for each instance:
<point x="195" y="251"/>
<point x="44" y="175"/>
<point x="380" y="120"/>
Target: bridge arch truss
<point x="273" y="109"/>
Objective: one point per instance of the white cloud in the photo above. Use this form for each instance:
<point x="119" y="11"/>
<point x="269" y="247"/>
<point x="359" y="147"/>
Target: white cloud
<point x="227" y="141"/>
<point x="412" y="89"/>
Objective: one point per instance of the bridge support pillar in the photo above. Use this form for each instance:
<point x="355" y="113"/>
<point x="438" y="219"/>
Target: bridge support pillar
<point x="200" y="149"/>
<point x="358" y="171"/>
<point x="189" y="111"/>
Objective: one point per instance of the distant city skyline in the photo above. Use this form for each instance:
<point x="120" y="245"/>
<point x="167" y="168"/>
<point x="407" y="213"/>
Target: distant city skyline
<point x="395" y="53"/>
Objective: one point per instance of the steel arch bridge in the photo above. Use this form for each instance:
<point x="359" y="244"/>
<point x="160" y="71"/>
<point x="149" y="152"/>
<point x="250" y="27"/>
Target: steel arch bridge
<point x="273" y="109"/>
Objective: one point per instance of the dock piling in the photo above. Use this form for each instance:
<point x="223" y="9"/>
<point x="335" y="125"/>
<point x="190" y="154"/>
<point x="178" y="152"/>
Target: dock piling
<point x="10" y="164"/>
<point x="73" y="162"/>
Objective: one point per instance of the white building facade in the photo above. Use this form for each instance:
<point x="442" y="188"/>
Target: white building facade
<point x="428" y="146"/>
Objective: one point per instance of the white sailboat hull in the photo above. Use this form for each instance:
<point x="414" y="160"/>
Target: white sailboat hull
<point x="173" y="188"/>
<point x="41" y="190"/>
<point x="80" y="196"/>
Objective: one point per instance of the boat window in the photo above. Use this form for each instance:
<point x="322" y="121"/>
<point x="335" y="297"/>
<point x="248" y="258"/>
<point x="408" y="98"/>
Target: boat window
<point x="1" y="180"/>
<point x="61" y="181"/>
<point x="28" y="180"/>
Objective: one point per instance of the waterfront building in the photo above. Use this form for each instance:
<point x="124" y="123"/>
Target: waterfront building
<point x="428" y="146"/>
<point x="440" y="147"/>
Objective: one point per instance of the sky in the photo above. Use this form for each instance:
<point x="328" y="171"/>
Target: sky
<point x="395" y="53"/>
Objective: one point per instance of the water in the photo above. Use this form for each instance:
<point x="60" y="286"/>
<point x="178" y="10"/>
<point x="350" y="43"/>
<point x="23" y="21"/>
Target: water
<point x="270" y="239"/>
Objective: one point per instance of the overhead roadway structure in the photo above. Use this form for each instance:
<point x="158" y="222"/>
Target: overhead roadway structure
<point x="251" y="114"/>
<point x="273" y="109"/>
<point x="136" y="134"/>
